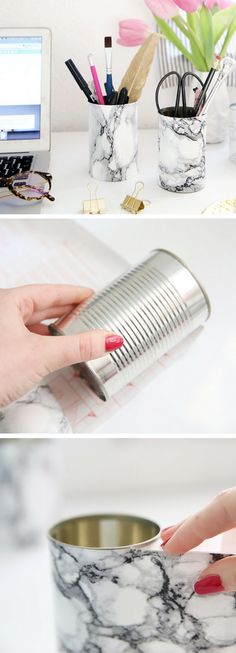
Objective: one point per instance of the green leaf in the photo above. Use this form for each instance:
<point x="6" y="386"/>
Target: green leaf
<point x="194" y="56"/>
<point x="181" y="24"/>
<point x="195" y="40"/>
<point x="192" y="19"/>
<point x="197" y="26"/>
<point x="221" y="22"/>
<point x="215" y="10"/>
<point x="198" y="59"/>
<point x="206" y="22"/>
<point x="173" y="38"/>
<point x="230" y="33"/>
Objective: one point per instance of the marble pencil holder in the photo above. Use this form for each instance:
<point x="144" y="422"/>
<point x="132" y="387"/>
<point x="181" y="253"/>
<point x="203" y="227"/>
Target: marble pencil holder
<point x="182" y="154"/>
<point x="113" y="142"/>
<point x="154" y="306"/>
<point x="29" y="490"/>
<point x="115" y="591"/>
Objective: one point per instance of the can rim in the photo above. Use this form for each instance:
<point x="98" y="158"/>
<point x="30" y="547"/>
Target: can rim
<point x="107" y="516"/>
<point x="91" y="376"/>
<point x="104" y="107"/>
<point x="200" y="118"/>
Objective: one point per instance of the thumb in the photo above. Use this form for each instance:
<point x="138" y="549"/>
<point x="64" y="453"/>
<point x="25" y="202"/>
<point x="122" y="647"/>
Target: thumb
<point x="218" y="577"/>
<point x="62" y="351"/>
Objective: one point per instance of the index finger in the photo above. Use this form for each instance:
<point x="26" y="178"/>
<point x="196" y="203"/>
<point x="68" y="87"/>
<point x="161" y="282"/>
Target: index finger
<point x="217" y="517"/>
<point x="38" y="297"/>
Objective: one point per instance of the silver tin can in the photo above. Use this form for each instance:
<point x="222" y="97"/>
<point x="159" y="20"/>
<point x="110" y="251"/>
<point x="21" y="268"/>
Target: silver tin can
<point x="153" y="306"/>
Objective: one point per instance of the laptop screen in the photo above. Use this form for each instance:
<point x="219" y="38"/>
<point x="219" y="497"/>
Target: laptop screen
<point x="20" y="87"/>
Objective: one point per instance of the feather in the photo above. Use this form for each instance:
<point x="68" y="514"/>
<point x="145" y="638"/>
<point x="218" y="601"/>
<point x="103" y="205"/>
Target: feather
<point x="137" y="73"/>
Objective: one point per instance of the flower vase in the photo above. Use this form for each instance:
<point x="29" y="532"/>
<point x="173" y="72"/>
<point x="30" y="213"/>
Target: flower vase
<point x="218" y="113"/>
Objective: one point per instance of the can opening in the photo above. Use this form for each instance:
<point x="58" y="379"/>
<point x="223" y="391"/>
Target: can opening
<point x="105" y="531"/>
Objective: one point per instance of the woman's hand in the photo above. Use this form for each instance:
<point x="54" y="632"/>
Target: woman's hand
<point x="27" y="352"/>
<point x="219" y="516"/>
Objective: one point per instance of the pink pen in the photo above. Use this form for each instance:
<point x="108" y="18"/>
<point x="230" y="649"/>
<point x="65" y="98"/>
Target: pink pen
<point x="96" y="80"/>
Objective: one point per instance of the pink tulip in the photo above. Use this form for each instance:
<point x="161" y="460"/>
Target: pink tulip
<point x="133" y="32"/>
<point x="222" y="4"/>
<point x="164" y="9"/>
<point x="189" y="5"/>
<point x="193" y="5"/>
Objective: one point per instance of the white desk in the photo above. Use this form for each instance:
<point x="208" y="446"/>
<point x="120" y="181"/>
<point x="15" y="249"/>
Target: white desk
<point x="69" y="166"/>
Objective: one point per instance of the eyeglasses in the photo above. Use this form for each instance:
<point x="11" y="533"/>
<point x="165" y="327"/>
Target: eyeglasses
<point x="28" y="186"/>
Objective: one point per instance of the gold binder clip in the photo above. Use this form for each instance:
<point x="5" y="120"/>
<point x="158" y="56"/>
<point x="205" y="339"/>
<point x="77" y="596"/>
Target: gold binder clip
<point x="132" y="204"/>
<point x="95" y="205"/>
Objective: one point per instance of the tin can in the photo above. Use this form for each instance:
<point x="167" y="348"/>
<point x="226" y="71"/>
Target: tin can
<point x="182" y="154"/>
<point x="153" y="306"/>
<point x="115" y="590"/>
<point x="113" y="142"/>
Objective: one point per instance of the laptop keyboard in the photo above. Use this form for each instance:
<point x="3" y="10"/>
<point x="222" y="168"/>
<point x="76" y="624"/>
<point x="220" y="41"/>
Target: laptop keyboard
<point x="12" y="165"/>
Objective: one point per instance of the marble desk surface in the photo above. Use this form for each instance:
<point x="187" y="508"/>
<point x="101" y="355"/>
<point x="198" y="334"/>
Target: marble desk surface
<point x="69" y="166"/>
<point x="26" y="604"/>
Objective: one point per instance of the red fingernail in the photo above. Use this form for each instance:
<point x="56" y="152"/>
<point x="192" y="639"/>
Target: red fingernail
<point x="113" y="342"/>
<point x="165" y="541"/>
<point x="209" y="585"/>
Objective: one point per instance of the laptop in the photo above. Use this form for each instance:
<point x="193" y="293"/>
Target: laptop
<point x="25" y="100"/>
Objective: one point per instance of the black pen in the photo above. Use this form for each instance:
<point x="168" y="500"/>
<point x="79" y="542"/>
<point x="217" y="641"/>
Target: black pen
<point x="202" y="97"/>
<point x="123" y="96"/>
<point x="80" y="81"/>
<point x="113" y="99"/>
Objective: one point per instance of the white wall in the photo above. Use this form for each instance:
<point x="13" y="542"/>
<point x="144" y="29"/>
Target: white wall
<point x="164" y="465"/>
<point x="78" y="27"/>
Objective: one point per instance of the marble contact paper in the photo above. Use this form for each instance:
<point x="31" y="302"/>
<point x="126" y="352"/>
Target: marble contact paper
<point x="182" y="162"/>
<point x="120" y="601"/>
<point x="38" y="407"/>
<point x="113" y="137"/>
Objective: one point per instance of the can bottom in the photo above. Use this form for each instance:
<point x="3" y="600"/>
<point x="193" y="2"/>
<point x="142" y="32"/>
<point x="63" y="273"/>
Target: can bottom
<point x="92" y="380"/>
<point x="181" y="189"/>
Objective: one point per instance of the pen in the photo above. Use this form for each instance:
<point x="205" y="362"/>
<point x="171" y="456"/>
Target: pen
<point x="113" y="99"/>
<point x="96" y="80"/>
<point x="197" y="92"/>
<point x="108" y="55"/>
<point x="123" y="96"/>
<point x="202" y="97"/>
<point x="226" y="66"/>
<point x="80" y="81"/>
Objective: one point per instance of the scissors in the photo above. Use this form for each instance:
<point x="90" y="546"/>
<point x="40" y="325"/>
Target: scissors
<point x="176" y="111"/>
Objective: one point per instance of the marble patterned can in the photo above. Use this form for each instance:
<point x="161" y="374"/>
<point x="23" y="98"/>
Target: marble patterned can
<point x="117" y="594"/>
<point x="29" y="489"/>
<point x="113" y="142"/>
<point x="182" y="154"/>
